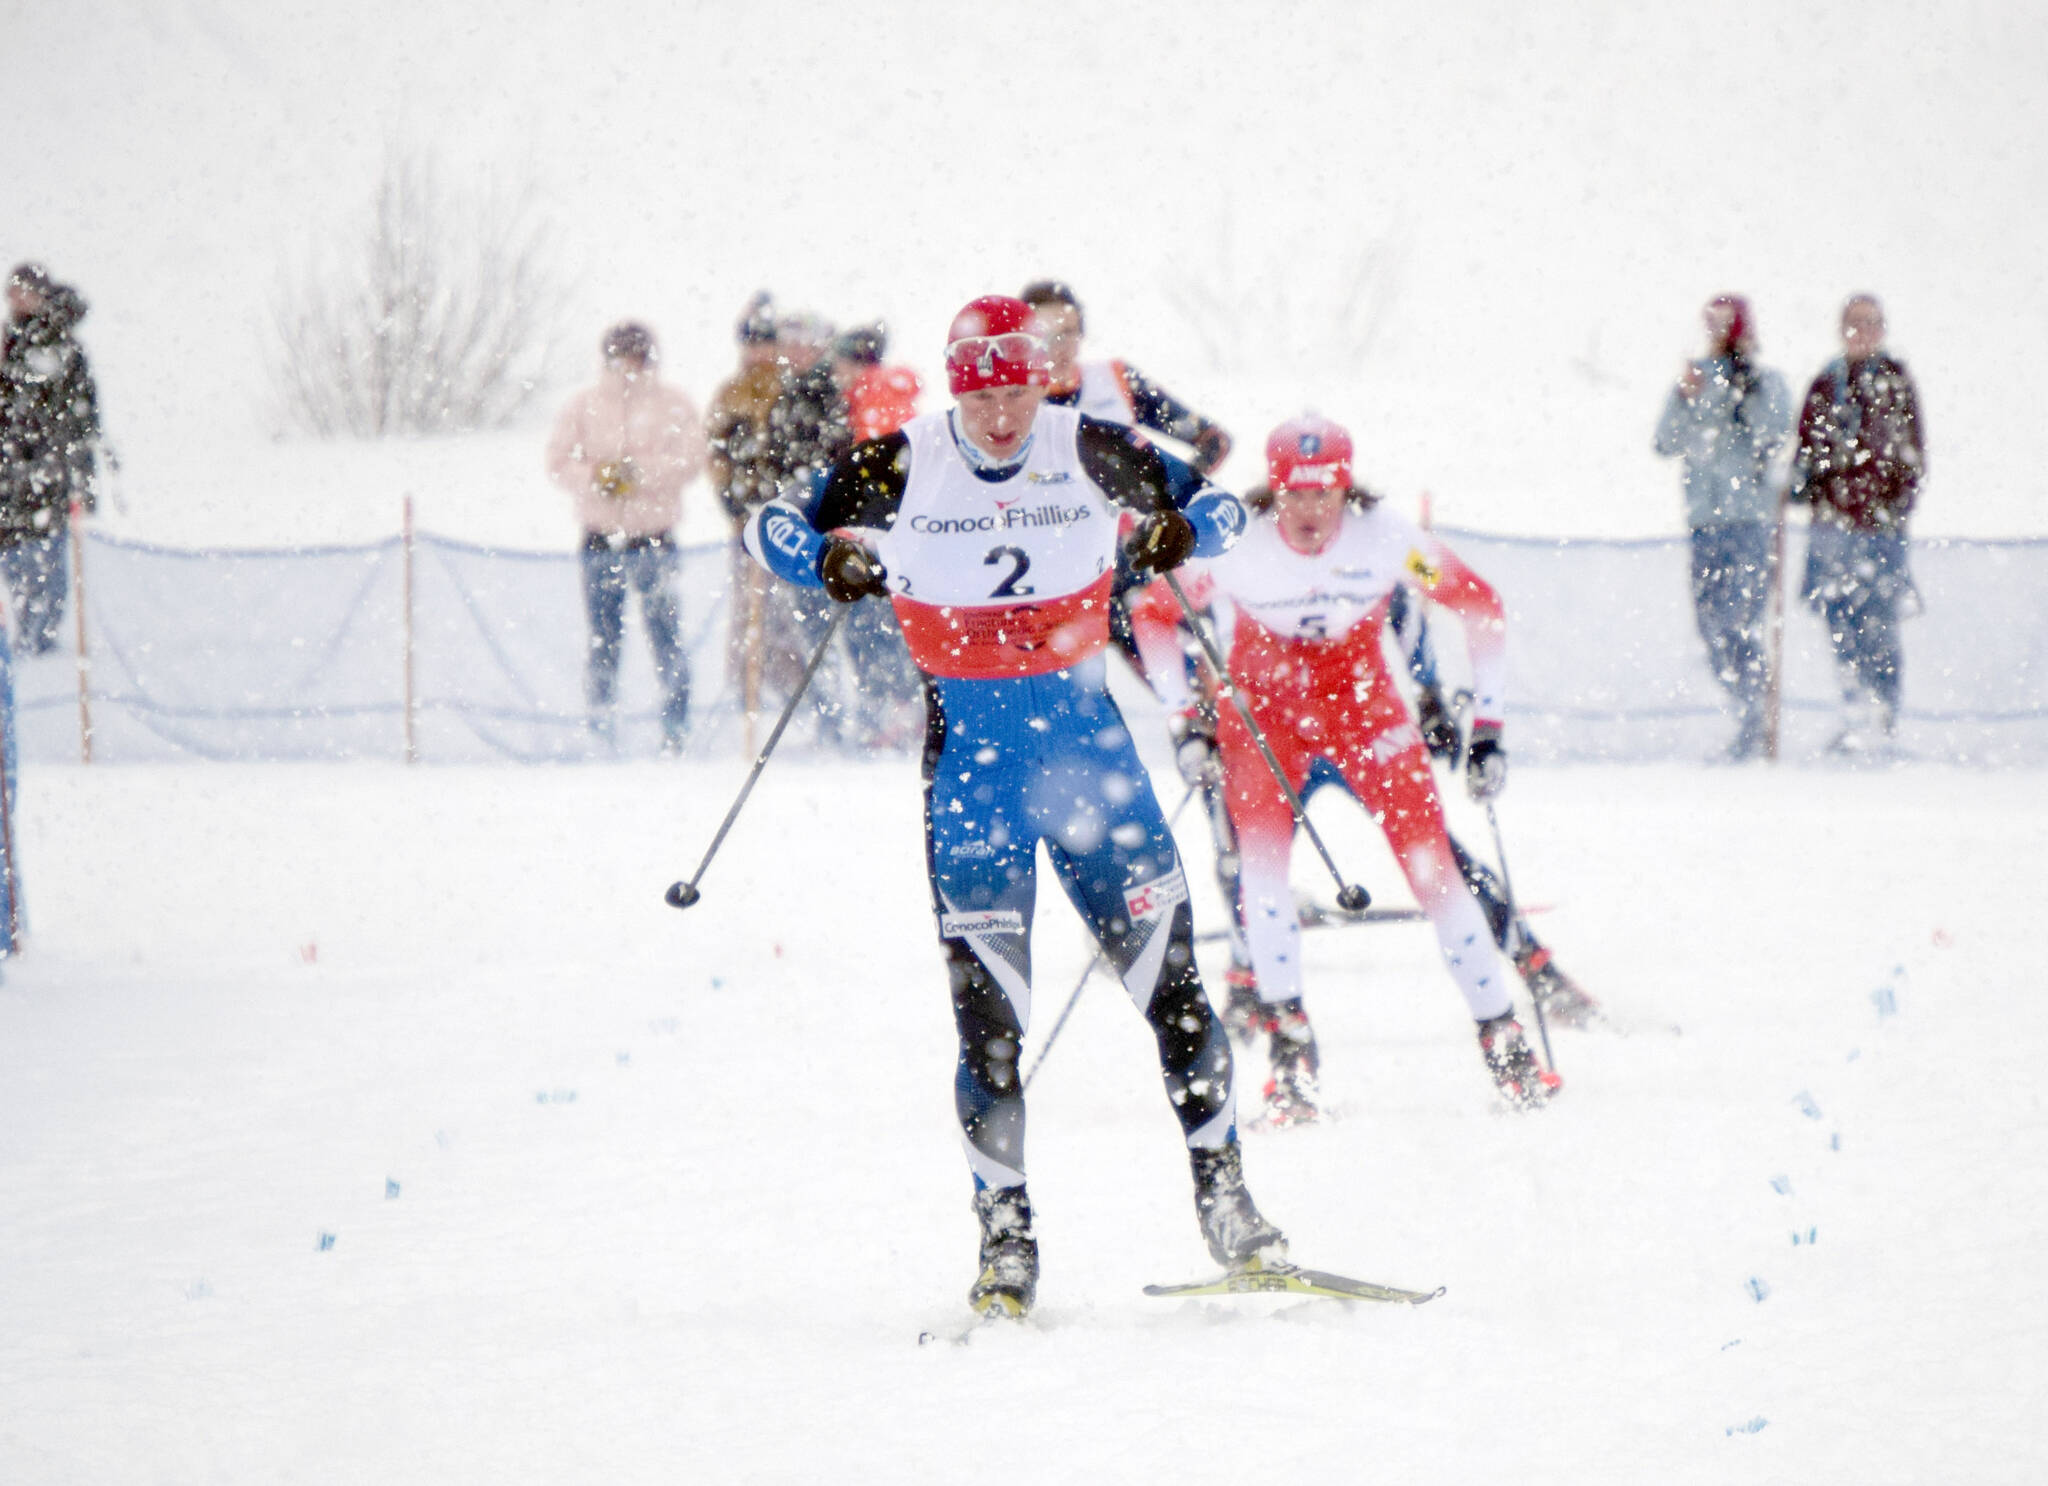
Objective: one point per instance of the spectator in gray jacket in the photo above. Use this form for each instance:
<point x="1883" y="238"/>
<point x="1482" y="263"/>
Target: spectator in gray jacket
<point x="1727" y="419"/>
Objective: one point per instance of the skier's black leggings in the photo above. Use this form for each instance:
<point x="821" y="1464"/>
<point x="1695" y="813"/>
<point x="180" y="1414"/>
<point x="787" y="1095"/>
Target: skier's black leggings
<point x="988" y="1094"/>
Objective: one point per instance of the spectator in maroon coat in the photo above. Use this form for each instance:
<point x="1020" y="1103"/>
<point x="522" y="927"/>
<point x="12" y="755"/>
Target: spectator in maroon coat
<point x="1862" y="456"/>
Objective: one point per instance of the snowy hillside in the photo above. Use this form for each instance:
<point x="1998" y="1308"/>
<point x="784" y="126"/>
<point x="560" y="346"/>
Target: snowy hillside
<point x="1478" y="233"/>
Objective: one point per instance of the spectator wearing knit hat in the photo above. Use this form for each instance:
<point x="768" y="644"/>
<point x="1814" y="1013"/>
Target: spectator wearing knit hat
<point x="624" y="448"/>
<point x="744" y="476"/>
<point x="1727" y="420"/>
<point x="1862" y="457"/>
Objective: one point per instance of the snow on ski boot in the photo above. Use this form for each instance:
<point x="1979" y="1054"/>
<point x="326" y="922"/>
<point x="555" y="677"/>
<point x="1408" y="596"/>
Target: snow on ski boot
<point x="1522" y="1081"/>
<point x="1238" y="1238"/>
<point x="1008" y="1283"/>
<point x="1291" y="1091"/>
<point x="1563" y="1003"/>
<point x="1242" y="1015"/>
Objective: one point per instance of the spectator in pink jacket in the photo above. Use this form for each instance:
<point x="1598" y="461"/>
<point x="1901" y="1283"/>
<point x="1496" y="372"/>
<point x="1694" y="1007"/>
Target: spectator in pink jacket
<point x="624" y="449"/>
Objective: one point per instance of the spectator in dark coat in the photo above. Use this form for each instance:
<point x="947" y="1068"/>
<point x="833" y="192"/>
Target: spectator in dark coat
<point x="1862" y="456"/>
<point x="880" y="399"/>
<point x="49" y="427"/>
<point x="808" y="431"/>
<point x="1727" y="419"/>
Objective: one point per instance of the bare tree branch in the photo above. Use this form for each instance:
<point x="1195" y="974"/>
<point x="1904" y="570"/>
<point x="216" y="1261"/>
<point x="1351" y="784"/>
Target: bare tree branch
<point x="441" y="319"/>
<point x="1326" y="310"/>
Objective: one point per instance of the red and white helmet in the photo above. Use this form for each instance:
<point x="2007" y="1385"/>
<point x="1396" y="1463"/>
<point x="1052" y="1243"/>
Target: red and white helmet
<point x="995" y="342"/>
<point x="1308" y="453"/>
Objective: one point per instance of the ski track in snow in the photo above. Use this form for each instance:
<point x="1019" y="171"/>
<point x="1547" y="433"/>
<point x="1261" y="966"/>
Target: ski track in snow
<point x="612" y="1192"/>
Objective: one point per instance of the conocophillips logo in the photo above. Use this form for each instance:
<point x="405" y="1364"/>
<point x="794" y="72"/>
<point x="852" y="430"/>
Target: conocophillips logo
<point x="1010" y="519"/>
<point x="986" y="921"/>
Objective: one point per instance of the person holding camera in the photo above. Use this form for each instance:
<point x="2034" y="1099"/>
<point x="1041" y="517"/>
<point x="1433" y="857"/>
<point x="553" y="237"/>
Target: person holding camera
<point x="624" y="448"/>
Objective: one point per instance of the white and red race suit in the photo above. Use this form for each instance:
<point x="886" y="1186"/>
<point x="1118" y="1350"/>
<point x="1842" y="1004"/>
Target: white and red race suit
<point x="1306" y="656"/>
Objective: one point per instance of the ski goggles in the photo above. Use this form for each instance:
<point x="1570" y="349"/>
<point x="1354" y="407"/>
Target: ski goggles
<point x="1013" y="359"/>
<point x="982" y="351"/>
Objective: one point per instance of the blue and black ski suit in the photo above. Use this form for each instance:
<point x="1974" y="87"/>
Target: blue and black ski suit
<point x="1001" y="578"/>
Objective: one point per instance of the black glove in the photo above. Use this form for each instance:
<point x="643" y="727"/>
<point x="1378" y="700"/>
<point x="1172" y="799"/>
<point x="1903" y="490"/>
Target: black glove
<point x="1194" y="748"/>
<point x="1486" y="762"/>
<point x="851" y="572"/>
<point x="1162" y="542"/>
<point x="1439" y="728"/>
<point x="1212" y="447"/>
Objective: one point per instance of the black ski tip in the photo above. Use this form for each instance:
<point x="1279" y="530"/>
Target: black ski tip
<point x="1353" y="899"/>
<point x="681" y="894"/>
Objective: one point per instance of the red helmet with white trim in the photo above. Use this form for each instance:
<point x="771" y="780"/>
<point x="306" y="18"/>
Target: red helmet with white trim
<point x="1308" y="453"/>
<point x="995" y="342"/>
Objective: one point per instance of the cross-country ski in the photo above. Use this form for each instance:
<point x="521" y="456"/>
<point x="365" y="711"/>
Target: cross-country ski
<point x="1287" y="1279"/>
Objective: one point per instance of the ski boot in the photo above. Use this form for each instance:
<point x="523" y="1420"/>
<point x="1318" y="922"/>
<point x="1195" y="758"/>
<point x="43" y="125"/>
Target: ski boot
<point x="1522" y="1081"/>
<point x="1238" y="1238"/>
<point x="1242" y="1015"/>
<point x="1559" y="997"/>
<point x="1291" y="1091"/>
<point x="1008" y="1284"/>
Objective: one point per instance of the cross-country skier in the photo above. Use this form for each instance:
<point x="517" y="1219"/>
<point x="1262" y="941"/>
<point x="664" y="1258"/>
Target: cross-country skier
<point x="1183" y="681"/>
<point x="1311" y="584"/>
<point x="1115" y="391"/>
<point x="993" y="528"/>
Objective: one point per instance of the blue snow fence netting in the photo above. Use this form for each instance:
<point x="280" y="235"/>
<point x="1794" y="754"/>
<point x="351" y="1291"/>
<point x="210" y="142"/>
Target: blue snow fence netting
<point x="1605" y="662"/>
<point x="306" y="654"/>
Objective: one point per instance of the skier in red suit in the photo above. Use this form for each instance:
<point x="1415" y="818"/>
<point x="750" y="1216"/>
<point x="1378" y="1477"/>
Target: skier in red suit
<point x="1311" y="584"/>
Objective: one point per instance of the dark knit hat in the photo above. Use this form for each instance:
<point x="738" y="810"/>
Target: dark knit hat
<point x="865" y="344"/>
<point x="758" y="325"/>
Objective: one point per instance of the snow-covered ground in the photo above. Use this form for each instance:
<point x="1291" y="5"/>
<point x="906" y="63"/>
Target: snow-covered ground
<point x="362" y="1124"/>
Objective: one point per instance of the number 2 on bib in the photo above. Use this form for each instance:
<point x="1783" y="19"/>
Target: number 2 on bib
<point x="1010" y="587"/>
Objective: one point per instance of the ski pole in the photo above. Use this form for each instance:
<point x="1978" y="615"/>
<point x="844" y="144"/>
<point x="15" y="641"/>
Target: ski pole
<point x="1347" y="921"/>
<point x="1350" y="896"/>
<point x="1507" y="889"/>
<point x="683" y="894"/>
<point x="1065" y="1012"/>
